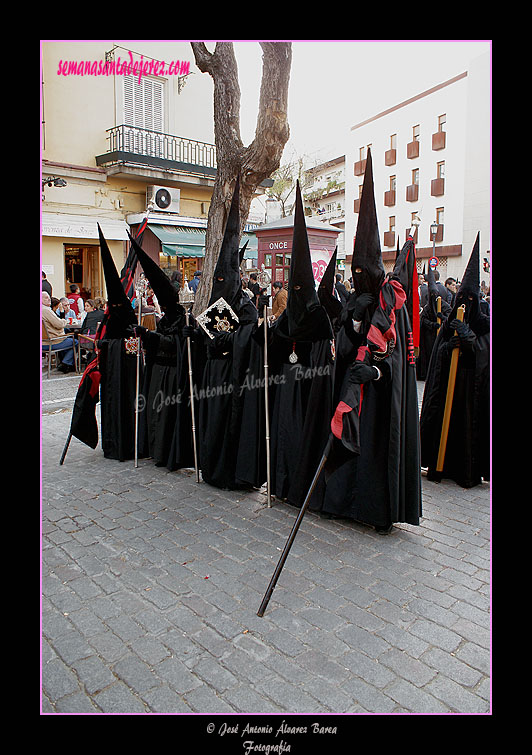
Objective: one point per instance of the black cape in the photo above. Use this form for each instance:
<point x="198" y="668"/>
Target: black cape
<point x="166" y="432"/>
<point x="118" y="366"/>
<point x="428" y="330"/>
<point x="302" y="406"/>
<point x="118" y="385"/>
<point x="221" y="403"/>
<point x="374" y="476"/>
<point x="467" y="457"/>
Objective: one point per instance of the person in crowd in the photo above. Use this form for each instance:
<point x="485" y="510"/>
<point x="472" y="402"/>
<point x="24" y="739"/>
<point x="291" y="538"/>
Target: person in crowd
<point x="451" y="286"/>
<point x="176" y="279"/>
<point x="46" y="285"/>
<point x="245" y="287"/>
<point x="56" y="305"/>
<point x="255" y="288"/>
<point x="280" y="296"/>
<point x="422" y="289"/>
<point x="56" y="332"/>
<point x="341" y="289"/>
<point x="194" y="283"/>
<point x="66" y="310"/>
<point x="76" y="302"/>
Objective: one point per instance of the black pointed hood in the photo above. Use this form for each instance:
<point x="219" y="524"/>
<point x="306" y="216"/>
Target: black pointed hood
<point x="367" y="255"/>
<point x="405" y="271"/>
<point x="120" y="311"/>
<point x="469" y="291"/>
<point x="331" y="304"/>
<point x="226" y="279"/>
<point x="242" y="252"/>
<point x="166" y="293"/>
<point x="307" y="320"/>
<point x="405" y="265"/>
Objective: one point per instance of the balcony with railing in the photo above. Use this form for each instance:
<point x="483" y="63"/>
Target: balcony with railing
<point x="151" y="149"/>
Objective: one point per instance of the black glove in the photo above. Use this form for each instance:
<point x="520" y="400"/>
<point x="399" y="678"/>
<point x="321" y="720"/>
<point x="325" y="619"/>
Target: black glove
<point x="463" y="330"/>
<point x="362" y="373"/>
<point x="140" y="330"/>
<point x="188" y="332"/>
<point x="361" y="304"/>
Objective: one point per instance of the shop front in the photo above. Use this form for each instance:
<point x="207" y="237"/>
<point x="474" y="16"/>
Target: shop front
<point x="274" y="247"/>
<point x="181" y="248"/>
<point x="70" y="252"/>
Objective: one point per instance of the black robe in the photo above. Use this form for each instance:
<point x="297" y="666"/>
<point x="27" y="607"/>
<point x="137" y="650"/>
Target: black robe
<point x="467" y="457"/>
<point x="221" y="402"/>
<point x="118" y="386"/>
<point x="377" y="481"/>
<point x="302" y="406"/>
<point x="428" y="330"/>
<point x="165" y="425"/>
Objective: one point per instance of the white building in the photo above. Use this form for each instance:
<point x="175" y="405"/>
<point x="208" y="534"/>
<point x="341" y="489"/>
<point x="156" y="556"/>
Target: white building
<point x="324" y="197"/>
<point x="432" y="158"/>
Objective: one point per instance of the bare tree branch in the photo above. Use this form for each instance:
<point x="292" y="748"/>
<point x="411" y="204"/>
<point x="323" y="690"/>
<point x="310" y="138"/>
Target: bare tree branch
<point x="254" y="163"/>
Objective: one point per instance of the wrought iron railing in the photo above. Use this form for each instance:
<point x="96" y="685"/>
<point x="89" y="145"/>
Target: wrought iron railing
<point x="141" y="141"/>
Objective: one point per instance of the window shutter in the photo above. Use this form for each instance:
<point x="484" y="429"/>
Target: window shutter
<point x="144" y="103"/>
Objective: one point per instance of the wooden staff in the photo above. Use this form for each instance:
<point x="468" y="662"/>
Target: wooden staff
<point x="266" y="408"/>
<point x="192" y="408"/>
<point x="449" y="398"/>
<point x="438" y="312"/>
<point x="293" y="533"/>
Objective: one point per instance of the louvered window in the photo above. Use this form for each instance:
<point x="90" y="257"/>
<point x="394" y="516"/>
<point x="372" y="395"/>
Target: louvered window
<point x="143" y="109"/>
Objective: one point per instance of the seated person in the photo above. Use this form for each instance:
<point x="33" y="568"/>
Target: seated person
<point x="64" y="311"/>
<point x="93" y="317"/>
<point x="57" y="334"/>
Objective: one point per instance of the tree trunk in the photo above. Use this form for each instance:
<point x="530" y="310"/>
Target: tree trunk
<point x="254" y="163"/>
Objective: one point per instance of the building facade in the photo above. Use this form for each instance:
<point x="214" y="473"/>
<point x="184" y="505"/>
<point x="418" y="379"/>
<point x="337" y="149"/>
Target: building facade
<point x="324" y="199"/>
<point x="431" y="160"/>
<point x="127" y="133"/>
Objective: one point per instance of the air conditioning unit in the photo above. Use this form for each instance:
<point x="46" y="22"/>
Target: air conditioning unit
<point x="162" y="199"/>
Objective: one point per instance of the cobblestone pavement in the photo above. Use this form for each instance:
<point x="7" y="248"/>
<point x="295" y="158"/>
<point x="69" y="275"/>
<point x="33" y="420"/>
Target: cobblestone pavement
<point x="151" y="584"/>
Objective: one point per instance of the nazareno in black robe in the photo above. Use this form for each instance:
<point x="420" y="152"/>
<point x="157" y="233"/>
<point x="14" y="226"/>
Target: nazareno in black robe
<point x="225" y="461"/>
<point x="302" y="405"/>
<point x="118" y="366"/>
<point x="377" y="481"/>
<point x="229" y="439"/>
<point x="429" y="323"/>
<point x="373" y="471"/>
<point x="302" y="396"/>
<point x="467" y="457"/>
<point x="165" y="427"/>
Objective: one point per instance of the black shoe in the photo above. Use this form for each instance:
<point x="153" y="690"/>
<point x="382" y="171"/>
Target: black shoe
<point x="65" y="367"/>
<point x="384" y="530"/>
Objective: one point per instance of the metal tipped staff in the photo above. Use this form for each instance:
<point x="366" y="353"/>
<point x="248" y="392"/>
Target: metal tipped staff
<point x="438" y="312"/>
<point x="192" y="408"/>
<point x="267" y="409"/>
<point x="293" y="533"/>
<point x="449" y="399"/>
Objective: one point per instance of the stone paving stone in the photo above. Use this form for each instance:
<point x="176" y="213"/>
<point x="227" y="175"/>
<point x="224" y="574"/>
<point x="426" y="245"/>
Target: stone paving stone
<point x="165" y="700"/>
<point x="119" y="699"/>
<point x="151" y="584"/>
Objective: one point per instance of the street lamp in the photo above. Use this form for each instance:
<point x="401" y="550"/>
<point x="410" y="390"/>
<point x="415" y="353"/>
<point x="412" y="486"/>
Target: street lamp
<point x="434" y="230"/>
<point x="53" y="181"/>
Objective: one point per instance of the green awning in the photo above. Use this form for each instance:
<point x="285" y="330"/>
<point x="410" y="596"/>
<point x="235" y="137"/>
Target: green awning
<point x="183" y="241"/>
